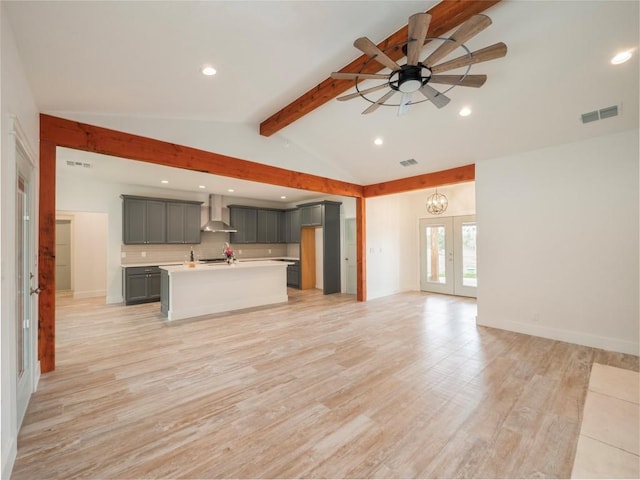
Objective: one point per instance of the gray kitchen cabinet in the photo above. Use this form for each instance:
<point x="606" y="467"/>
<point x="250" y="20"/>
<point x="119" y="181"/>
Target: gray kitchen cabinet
<point x="143" y="221"/>
<point x="183" y="222"/>
<point x="331" y="244"/>
<point x="157" y="220"/>
<point x="328" y="214"/>
<point x="292" y="226"/>
<point x="269" y="226"/>
<point x="245" y="220"/>
<point x="293" y="275"/>
<point x="311" y="215"/>
<point x="164" y="292"/>
<point x="141" y="285"/>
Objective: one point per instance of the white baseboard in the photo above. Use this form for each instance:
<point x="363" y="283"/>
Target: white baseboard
<point x="569" y="336"/>
<point x="115" y="299"/>
<point x="89" y="293"/>
<point x="8" y="459"/>
<point x="36" y="376"/>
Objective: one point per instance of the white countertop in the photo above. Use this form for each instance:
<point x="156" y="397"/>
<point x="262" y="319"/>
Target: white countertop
<point x="210" y="267"/>
<point x="240" y="260"/>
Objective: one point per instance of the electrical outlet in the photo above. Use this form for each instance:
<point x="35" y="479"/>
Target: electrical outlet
<point x="239" y="252"/>
<point x="269" y="251"/>
<point x="143" y="254"/>
<point x="123" y="254"/>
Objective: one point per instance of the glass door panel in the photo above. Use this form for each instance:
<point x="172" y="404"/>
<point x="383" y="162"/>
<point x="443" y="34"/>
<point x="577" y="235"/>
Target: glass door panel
<point x="465" y="235"/>
<point x="436" y="242"/>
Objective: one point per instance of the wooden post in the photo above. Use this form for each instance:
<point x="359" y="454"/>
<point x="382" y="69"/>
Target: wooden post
<point x="46" y="257"/>
<point x="361" y="249"/>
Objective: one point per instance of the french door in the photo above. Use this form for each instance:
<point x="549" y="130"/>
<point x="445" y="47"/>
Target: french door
<point x="448" y="255"/>
<point x="25" y="278"/>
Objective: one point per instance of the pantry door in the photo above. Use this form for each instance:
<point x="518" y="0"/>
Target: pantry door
<point x="448" y="255"/>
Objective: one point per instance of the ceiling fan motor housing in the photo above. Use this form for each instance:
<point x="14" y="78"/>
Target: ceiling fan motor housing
<point x="410" y="78"/>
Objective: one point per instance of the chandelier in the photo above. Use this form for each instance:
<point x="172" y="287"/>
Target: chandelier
<point x="437" y="203"/>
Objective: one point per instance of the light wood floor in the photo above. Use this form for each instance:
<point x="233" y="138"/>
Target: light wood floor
<point x="404" y="386"/>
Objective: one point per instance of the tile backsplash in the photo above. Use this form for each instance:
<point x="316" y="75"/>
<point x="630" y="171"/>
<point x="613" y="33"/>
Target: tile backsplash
<point x="211" y="247"/>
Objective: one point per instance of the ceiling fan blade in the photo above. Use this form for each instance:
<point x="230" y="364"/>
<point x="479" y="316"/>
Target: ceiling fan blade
<point x="367" y="46"/>
<point x="363" y="92"/>
<point x="497" y="50"/>
<point x="467" y="30"/>
<point x="404" y="104"/>
<point x="380" y="101"/>
<point x="355" y="76"/>
<point x="418" y="26"/>
<point x="468" y="81"/>
<point x="437" y="98"/>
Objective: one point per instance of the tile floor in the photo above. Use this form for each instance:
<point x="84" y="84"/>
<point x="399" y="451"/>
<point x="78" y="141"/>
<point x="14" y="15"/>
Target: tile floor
<point x="609" y="442"/>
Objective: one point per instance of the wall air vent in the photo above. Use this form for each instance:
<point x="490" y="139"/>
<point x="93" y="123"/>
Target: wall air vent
<point x="407" y="163"/>
<point x="600" y="114"/>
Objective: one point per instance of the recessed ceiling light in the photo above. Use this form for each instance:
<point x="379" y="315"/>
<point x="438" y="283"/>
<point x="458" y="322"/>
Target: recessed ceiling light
<point x="164" y="181"/>
<point x="621" y="57"/>
<point x="201" y="186"/>
<point x="378" y="141"/>
<point x="465" y="112"/>
<point x="230" y="190"/>
<point x="282" y="197"/>
<point x="208" y="70"/>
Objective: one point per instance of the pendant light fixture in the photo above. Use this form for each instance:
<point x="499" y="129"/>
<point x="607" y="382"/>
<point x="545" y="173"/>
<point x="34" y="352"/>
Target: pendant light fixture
<point x="437" y="203"/>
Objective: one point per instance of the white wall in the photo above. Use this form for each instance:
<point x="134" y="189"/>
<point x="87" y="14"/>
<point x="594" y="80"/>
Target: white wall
<point x="89" y="233"/>
<point x="15" y="100"/>
<point x="393" y="255"/>
<point x="558" y="242"/>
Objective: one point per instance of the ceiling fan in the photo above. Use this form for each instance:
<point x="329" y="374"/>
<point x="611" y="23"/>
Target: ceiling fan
<point x="418" y="75"/>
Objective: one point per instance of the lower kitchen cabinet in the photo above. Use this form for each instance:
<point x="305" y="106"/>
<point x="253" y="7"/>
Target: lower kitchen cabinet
<point x="141" y="284"/>
<point x="293" y="275"/>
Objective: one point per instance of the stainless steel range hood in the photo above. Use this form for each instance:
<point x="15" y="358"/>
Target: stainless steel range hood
<point x="215" y="223"/>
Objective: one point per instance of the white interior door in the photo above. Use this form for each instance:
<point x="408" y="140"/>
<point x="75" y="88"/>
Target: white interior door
<point x="63" y="255"/>
<point x="448" y="255"/>
<point x="350" y="243"/>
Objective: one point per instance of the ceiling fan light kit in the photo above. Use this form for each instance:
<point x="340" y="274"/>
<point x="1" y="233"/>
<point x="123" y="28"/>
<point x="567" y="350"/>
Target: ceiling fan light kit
<point x="416" y="75"/>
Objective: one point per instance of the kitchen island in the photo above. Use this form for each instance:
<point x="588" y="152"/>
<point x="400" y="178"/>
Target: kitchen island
<point x="214" y="288"/>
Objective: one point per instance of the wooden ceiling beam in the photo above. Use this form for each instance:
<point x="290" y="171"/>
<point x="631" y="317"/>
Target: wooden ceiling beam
<point x="445" y="16"/>
<point x="81" y="136"/>
<point x="466" y="173"/>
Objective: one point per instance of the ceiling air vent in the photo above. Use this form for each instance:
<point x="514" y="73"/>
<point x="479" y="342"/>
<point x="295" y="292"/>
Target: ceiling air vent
<point x="600" y="114"/>
<point x="407" y="163"/>
<point x="609" y="112"/>
<point x="71" y="163"/>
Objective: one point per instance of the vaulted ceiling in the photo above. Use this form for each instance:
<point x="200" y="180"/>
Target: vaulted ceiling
<point x="135" y="67"/>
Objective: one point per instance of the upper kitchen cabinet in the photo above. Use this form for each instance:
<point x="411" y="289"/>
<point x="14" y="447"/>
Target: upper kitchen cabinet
<point x="143" y="220"/>
<point x="292" y="226"/>
<point x="310" y="215"/>
<point x="245" y="220"/>
<point x="158" y="220"/>
<point x="183" y="222"/>
<point x="270" y="226"/>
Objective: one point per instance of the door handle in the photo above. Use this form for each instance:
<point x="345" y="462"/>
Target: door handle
<point x="36" y="290"/>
